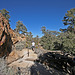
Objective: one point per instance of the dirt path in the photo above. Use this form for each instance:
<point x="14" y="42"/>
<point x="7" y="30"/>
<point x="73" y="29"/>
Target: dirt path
<point x="31" y="68"/>
<point x="26" y="61"/>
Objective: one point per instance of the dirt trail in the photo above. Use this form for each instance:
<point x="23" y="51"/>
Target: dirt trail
<point x="26" y="61"/>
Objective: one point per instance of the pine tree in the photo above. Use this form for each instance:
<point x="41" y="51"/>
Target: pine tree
<point x="20" y="28"/>
<point x="69" y="20"/>
<point x="5" y="13"/>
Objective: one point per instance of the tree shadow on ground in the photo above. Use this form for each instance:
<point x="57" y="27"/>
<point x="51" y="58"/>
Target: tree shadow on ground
<point x="39" y="69"/>
<point x="59" y="62"/>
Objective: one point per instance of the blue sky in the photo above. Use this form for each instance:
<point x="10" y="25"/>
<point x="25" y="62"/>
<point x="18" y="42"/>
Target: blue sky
<point x="38" y="13"/>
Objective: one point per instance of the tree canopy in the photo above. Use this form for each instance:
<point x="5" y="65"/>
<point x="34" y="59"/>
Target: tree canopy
<point x="20" y="27"/>
<point x="47" y="41"/>
<point x="69" y="21"/>
<point x="5" y="13"/>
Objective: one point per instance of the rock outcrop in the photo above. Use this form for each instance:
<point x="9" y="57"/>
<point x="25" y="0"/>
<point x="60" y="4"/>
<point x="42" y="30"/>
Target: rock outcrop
<point x="5" y="39"/>
<point x="8" y="37"/>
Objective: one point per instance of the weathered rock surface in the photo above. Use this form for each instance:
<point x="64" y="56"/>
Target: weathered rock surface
<point x="8" y="37"/>
<point x="24" y="60"/>
<point x="5" y="39"/>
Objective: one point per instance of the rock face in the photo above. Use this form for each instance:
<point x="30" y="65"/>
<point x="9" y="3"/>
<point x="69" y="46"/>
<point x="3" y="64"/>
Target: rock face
<point x="8" y="37"/>
<point x="5" y="39"/>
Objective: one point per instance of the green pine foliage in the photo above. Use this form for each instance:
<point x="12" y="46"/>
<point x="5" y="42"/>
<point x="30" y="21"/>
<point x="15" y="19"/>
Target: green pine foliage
<point x="67" y="42"/>
<point x="64" y="40"/>
<point x="29" y="38"/>
<point x="5" y="13"/>
<point x="69" y="20"/>
<point x="20" y="27"/>
<point x="48" y="40"/>
<point x="36" y="39"/>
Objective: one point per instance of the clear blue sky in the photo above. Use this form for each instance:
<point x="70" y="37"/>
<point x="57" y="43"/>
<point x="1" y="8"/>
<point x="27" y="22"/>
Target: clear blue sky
<point x="38" y="13"/>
